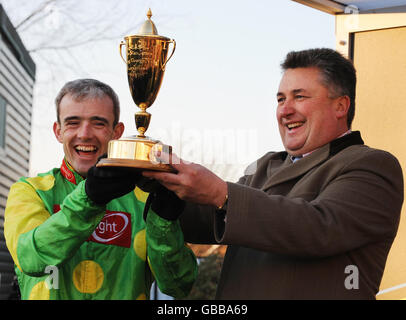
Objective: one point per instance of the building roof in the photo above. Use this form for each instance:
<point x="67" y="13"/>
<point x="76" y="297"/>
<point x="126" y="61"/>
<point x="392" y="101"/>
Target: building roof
<point x="363" y="6"/>
<point x="10" y="36"/>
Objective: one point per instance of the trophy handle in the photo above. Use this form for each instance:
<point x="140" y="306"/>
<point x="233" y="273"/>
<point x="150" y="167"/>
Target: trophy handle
<point x="173" y="51"/>
<point x="122" y="43"/>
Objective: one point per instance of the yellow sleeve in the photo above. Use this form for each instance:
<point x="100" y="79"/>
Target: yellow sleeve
<point x="24" y="211"/>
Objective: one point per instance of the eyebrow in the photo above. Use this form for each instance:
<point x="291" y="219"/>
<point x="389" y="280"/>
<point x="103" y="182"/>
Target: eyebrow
<point x="294" y="91"/>
<point x="95" y="118"/>
<point x="71" y="118"/>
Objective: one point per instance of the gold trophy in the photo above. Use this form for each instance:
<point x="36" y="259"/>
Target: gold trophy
<point x="146" y="54"/>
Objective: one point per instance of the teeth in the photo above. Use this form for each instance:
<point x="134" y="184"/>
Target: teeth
<point x="85" y="148"/>
<point x="294" y="125"/>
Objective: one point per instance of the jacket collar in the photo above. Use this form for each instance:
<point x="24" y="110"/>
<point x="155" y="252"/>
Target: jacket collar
<point x="288" y="171"/>
<point x="350" y="139"/>
<point x="69" y="173"/>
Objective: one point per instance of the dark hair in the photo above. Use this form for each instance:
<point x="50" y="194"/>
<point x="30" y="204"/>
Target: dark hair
<point x="82" y="89"/>
<point x="338" y="73"/>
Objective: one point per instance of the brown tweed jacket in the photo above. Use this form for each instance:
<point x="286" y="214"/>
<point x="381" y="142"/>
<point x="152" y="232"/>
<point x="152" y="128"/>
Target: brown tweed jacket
<point x="319" y="228"/>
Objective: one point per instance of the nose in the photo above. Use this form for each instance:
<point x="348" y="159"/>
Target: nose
<point x="84" y="131"/>
<point x="286" y="109"/>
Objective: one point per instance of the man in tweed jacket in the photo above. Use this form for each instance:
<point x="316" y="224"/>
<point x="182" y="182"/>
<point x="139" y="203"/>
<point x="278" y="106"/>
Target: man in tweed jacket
<point x="315" y="221"/>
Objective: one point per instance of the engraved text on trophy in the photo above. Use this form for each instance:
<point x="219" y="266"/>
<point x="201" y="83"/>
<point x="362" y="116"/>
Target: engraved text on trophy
<point x="144" y="68"/>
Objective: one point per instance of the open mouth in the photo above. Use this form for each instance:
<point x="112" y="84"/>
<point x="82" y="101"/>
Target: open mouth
<point x="85" y="150"/>
<point x="294" y="125"/>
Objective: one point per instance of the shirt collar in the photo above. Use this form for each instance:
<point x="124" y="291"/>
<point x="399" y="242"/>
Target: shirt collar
<point x="296" y="158"/>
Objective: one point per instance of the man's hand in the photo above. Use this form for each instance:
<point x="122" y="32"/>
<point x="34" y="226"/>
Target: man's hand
<point x="192" y="183"/>
<point x="107" y="183"/>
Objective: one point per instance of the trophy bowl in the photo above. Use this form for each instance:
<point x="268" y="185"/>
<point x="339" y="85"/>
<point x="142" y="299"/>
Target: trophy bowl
<point x="146" y="59"/>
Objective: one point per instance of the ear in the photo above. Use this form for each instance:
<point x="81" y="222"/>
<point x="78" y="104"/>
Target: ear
<point x="57" y="131"/>
<point x="342" y="106"/>
<point x="118" y="131"/>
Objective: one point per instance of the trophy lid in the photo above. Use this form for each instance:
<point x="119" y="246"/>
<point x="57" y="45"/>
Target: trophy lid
<point x="148" y="28"/>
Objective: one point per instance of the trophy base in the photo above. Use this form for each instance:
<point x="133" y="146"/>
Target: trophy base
<point x="139" y="153"/>
<point x="138" y="164"/>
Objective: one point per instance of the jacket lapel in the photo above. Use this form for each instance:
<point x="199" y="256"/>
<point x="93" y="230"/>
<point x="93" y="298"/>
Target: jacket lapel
<point x="289" y="170"/>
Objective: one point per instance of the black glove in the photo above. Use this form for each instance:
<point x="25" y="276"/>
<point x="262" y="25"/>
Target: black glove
<point x="164" y="203"/>
<point x="147" y="184"/>
<point x="107" y="183"/>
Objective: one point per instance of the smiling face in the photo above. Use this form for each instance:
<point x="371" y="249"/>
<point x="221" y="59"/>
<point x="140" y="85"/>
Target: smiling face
<point x="85" y="128"/>
<point x="308" y="117"/>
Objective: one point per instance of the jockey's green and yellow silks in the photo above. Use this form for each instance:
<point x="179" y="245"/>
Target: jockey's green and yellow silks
<point x="99" y="252"/>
